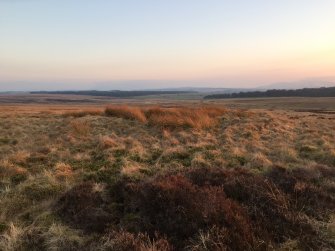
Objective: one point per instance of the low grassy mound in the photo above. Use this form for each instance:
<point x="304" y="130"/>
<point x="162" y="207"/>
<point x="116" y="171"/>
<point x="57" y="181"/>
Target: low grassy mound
<point x="126" y="112"/>
<point x="179" y="117"/>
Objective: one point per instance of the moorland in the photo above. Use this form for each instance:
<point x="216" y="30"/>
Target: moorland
<point x="166" y="174"/>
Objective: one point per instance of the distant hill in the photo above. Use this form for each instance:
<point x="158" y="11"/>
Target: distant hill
<point x="207" y="90"/>
<point x="318" y="83"/>
<point x="306" y="92"/>
<point x="116" y="94"/>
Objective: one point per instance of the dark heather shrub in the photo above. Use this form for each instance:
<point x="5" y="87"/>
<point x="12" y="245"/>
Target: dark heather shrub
<point x="84" y="208"/>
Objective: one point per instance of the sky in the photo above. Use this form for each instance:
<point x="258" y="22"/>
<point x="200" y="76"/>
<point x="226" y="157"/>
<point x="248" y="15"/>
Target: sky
<point x="132" y="44"/>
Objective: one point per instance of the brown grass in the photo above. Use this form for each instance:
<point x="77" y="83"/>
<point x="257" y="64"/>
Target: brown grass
<point x="12" y="171"/>
<point x="80" y="127"/>
<point x="63" y="171"/>
<point x="83" y="113"/>
<point x="126" y="112"/>
<point x="179" y="117"/>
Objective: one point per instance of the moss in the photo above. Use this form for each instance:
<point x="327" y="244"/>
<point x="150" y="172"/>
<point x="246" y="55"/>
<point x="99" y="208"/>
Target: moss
<point x="183" y="157"/>
<point x="41" y="190"/>
<point x="3" y="227"/>
<point x="136" y="157"/>
<point x="306" y="150"/>
<point x="131" y="221"/>
<point x="237" y="161"/>
<point x="18" y="178"/>
<point x="317" y="154"/>
<point x="155" y="154"/>
<point x="4" y="141"/>
<point x="119" y="153"/>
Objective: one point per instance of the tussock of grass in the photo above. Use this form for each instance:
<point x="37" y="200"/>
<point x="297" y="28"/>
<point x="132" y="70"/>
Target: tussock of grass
<point x="12" y="239"/>
<point x="80" y="127"/>
<point x="126" y="112"/>
<point x="181" y="117"/>
<point x="11" y="171"/>
<point x="60" y="237"/>
<point x="63" y="171"/>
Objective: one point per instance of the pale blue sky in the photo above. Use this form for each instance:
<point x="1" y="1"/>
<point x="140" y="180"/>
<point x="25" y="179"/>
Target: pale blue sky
<point x="78" y="43"/>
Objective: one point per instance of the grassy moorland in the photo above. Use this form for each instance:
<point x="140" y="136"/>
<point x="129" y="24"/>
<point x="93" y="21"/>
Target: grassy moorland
<point x="156" y="178"/>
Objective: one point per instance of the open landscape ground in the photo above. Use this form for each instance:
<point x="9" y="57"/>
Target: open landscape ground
<point x="19" y="101"/>
<point x="162" y="174"/>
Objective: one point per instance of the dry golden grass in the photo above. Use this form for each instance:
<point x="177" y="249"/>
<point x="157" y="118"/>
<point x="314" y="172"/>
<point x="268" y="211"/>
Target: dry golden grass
<point x="83" y="113"/>
<point x="10" y="170"/>
<point x="126" y="112"/>
<point x="12" y="239"/>
<point x="63" y="171"/>
<point x="108" y="142"/>
<point x="80" y="127"/>
<point x="179" y="117"/>
<point x="20" y="157"/>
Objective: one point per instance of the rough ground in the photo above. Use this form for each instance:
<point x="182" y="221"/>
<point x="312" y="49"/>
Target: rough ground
<point x="241" y="180"/>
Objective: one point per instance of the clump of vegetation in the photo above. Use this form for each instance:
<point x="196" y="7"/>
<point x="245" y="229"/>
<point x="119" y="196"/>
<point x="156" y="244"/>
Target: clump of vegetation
<point x="244" y="211"/>
<point x="200" y="118"/>
<point x="126" y="112"/>
<point x="12" y="172"/>
<point x="180" y="117"/>
<point x="80" y="127"/>
<point x="84" y="206"/>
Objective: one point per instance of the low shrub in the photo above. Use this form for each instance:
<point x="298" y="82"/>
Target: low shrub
<point x="304" y="185"/>
<point x="84" y="207"/>
<point x="274" y="201"/>
<point x="208" y="207"/>
<point x="177" y="208"/>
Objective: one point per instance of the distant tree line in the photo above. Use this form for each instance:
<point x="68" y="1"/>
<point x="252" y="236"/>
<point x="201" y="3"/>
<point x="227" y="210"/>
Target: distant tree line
<point x="306" y="92"/>
<point x="116" y="94"/>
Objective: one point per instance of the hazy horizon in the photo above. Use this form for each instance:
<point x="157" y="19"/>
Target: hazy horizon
<point x="61" y="45"/>
<point x="153" y="85"/>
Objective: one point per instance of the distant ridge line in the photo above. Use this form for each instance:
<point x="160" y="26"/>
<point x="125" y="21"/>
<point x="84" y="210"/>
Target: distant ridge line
<point x="305" y="92"/>
<point x="115" y="93"/>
